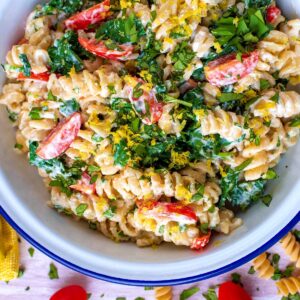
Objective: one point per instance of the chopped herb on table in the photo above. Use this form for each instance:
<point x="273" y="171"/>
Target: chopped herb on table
<point x="189" y="293"/>
<point x="31" y="251"/>
<point x="53" y="274"/>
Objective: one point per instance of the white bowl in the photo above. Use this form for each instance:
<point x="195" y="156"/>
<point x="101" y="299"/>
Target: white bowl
<point x="23" y="200"/>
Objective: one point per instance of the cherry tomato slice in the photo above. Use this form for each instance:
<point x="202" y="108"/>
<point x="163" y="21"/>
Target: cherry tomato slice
<point x="72" y="292"/>
<point x="272" y="13"/>
<point x="99" y="49"/>
<point x="168" y="211"/>
<point x="36" y="77"/>
<point x="84" y="185"/>
<point x="231" y="291"/>
<point x="201" y="241"/>
<point x="228" y="69"/>
<point x="93" y="15"/>
<point x="60" y="138"/>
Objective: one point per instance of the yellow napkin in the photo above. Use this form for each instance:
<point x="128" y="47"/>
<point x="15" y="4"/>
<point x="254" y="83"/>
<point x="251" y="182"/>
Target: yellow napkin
<point x="9" y="252"/>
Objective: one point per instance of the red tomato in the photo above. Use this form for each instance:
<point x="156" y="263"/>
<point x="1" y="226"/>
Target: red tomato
<point x="72" y="292"/>
<point x="60" y="138"/>
<point x="22" y="41"/>
<point x="84" y="185"/>
<point x="36" y="77"/>
<point x="231" y="291"/>
<point x="228" y="69"/>
<point x="272" y="13"/>
<point x="201" y="242"/>
<point x="99" y="49"/>
<point x="93" y="15"/>
<point x="171" y="211"/>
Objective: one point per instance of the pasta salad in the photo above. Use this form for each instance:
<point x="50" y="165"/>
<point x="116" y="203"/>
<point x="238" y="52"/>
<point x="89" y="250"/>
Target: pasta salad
<point x="155" y="120"/>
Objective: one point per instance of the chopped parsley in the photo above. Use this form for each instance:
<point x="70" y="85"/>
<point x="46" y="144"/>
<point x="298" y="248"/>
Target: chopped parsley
<point x="80" y="209"/>
<point x="31" y="251"/>
<point x="236" y="278"/>
<point x="109" y="213"/>
<point x="210" y="294"/>
<point x="53" y="274"/>
<point x="185" y="294"/>
<point x="182" y="56"/>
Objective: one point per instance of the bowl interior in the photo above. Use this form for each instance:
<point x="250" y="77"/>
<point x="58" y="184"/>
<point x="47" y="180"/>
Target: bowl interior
<point x="24" y="197"/>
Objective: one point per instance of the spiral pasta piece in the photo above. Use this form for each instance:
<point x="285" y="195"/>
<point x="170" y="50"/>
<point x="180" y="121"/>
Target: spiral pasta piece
<point x="104" y="158"/>
<point x="169" y="124"/>
<point x="38" y="59"/>
<point x="12" y="97"/>
<point x="287" y="105"/>
<point x="131" y="183"/>
<point x="263" y="266"/>
<point x="170" y="231"/>
<point x="202" y="42"/>
<point x="263" y="155"/>
<point x="176" y="16"/>
<point x="292" y="248"/>
<point x="288" y="286"/>
<point x="227" y="124"/>
<point x="37" y="31"/>
<point x="84" y="85"/>
<point x="163" y="293"/>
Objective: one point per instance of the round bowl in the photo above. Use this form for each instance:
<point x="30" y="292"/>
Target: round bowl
<point x="23" y="200"/>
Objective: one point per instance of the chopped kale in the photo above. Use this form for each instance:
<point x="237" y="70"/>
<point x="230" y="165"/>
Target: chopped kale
<point x="67" y="53"/>
<point x="122" y="30"/>
<point x="55" y="6"/>
<point x="26" y="69"/>
<point x="241" y="32"/>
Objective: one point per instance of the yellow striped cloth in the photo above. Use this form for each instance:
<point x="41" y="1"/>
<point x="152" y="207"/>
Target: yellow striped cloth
<point x="9" y="252"/>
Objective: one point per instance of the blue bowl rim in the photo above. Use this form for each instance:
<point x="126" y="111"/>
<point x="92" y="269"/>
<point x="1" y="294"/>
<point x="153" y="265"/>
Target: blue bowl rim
<point x="132" y="282"/>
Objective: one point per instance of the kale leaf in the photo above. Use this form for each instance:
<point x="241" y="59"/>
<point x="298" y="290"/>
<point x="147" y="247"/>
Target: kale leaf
<point x="65" y="6"/>
<point x="182" y="56"/>
<point x="67" y="53"/>
<point x="121" y="155"/>
<point x="257" y="3"/>
<point x="122" y="30"/>
<point x="26" y="65"/>
<point x="242" y="194"/>
<point x="62" y="176"/>
<point x="147" y="58"/>
<point x="240" y="32"/>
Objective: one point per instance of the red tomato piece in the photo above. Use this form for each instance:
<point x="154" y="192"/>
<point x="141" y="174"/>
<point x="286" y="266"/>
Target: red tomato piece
<point x="272" y="13"/>
<point x="36" y="77"/>
<point x="99" y="49"/>
<point x="84" y="185"/>
<point x="60" y="138"/>
<point x="72" y="292"/>
<point x="170" y="211"/>
<point x="22" y="41"/>
<point x="93" y="15"/>
<point x="201" y="241"/>
<point x="231" y="291"/>
<point x="228" y="69"/>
